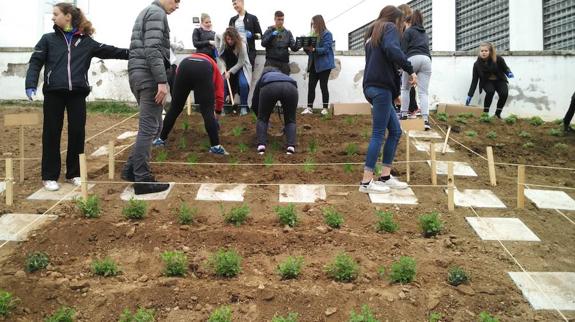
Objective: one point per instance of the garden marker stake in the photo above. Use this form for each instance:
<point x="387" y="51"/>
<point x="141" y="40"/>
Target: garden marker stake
<point x="230" y="91"/>
<point x="83" y="176"/>
<point x="407" y="164"/>
<point x="21" y="120"/>
<point x="433" y="164"/>
<point x="9" y="183"/>
<point x="446" y="138"/>
<point x="491" y="163"/>
<point x="189" y="105"/>
<point x="521" y="186"/>
<point x="450" y="187"/>
<point x="111" y="164"/>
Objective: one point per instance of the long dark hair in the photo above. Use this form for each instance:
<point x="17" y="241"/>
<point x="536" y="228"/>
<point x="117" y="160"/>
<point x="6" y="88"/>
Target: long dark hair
<point x="416" y="19"/>
<point x="78" y="18"/>
<point x="235" y="36"/>
<point x="387" y="15"/>
<point x="318" y="24"/>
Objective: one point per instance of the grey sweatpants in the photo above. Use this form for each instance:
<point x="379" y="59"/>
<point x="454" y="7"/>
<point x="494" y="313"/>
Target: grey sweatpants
<point x="149" y="128"/>
<point x="422" y="68"/>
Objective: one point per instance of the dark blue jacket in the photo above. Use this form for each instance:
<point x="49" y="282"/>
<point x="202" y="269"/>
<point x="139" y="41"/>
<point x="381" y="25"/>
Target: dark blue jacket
<point x="323" y="56"/>
<point x="272" y="76"/>
<point x="415" y="42"/>
<point x="382" y="62"/>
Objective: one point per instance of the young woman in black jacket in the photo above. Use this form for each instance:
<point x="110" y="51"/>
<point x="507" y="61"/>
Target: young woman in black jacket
<point x="65" y="55"/>
<point x="492" y="72"/>
<point x="204" y="37"/>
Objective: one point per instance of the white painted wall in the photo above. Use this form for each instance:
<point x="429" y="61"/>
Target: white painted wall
<point x="525" y="25"/>
<point x="543" y="85"/>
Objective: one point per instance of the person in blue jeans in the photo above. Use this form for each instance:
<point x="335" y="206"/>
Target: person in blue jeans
<point x="381" y="85"/>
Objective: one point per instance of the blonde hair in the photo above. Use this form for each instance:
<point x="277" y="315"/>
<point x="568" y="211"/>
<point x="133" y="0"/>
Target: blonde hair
<point x="204" y="16"/>
<point x="492" y="51"/>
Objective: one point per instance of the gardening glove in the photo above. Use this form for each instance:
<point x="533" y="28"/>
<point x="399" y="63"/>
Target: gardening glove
<point x="249" y="34"/>
<point x="275" y="33"/>
<point x="510" y="74"/>
<point x="30" y="92"/>
<point x="468" y="100"/>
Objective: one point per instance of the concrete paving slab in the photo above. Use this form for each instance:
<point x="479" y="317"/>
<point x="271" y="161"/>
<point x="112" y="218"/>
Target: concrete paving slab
<point x="221" y="192"/>
<point x="101" y="151"/>
<point x="2" y="187"/>
<point x="460" y="169"/>
<point x="302" y="193"/>
<point x="511" y="229"/>
<point x="128" y="194"/>
<point x="396" y="197"/>
<point x="547" y="290"/>
<point x="480" y="198"/>
<point x="65" y="191"/>
<point x="425" y="147"/>
<point x="425" y="135"/>
<point x="16" y="227"/>
<point x="550" y="199"/>
<point x="127" y="135"/>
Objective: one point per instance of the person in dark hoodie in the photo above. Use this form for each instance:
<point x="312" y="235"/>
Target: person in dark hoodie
<point x="248" y="26"/>
<point x="492" y="72"/>
<point x="274" y="86"/>
<point x="415" y="44"/>
<point x="65" y="55"/>
<point x="277" y="40"/>
<point x="381" y="84"/>
<point x="204" y="37"/>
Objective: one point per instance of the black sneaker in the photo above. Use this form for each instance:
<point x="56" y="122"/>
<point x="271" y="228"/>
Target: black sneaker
<point x="150" y="185"/>
<point x="427" y="126"/>
<point x="128" y="175"/>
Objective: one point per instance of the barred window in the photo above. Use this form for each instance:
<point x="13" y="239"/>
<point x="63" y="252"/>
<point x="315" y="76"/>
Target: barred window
<point x="559" y="24"/>
<point x="482" y="20"/>
<point x="355" y="38"/>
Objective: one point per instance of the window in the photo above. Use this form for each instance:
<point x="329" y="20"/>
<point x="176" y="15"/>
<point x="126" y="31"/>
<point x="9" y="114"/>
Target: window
<point x="482" y="20"/>
<point x="558" y="24"/>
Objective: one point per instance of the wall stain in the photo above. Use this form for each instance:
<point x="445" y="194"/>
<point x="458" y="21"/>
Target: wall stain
<point x="294" y="68"/>
<point x="18" y="70"/>
<point x="103" y="68"/>
<point x="99" y="83"/>
<point x="336" y="71"/>
<point x="541" y="102"/>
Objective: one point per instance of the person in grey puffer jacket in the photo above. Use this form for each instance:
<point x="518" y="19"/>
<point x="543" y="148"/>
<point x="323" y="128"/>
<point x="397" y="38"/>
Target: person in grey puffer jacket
<point x="149" y="60"/>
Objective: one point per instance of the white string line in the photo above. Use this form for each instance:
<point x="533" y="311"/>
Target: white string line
<point x="346" y="11"/>
<point x="454" y="140"/>
<point x="264" y="164"/>
<point x="42" y="215"/>
<point x="534" y="166"/>
<point x="568" y="219"/>
<point x="523" y="269"/>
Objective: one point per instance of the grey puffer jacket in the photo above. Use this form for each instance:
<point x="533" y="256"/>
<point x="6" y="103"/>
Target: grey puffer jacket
<point x="149" y="48"/>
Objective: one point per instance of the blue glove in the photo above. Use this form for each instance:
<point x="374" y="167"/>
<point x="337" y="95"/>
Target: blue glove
<point x="468" y="100"/>
<point x="510" y="75"/>
<point x="275" y="33"/>
<point x="249" y="34"/>
<point x="30" y="92"/>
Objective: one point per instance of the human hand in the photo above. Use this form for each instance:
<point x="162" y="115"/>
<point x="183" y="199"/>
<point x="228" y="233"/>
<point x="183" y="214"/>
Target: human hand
<point x="397" y="101"/>
<point x="227" y="74"/>
<point x="249" y="34"/>
<point x="413" y="79"/>
<point x="275" y="33"/>
<point x="510" y="74"/>
<point x="30" y="92"/>
<point x="468" y="101"/>
<point x="161" y="94"/>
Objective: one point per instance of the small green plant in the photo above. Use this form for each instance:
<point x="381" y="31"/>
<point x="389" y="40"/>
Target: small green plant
<point x="105" y="267"/>
<point x="192" y="158"/>
<point x="456" y="276"/>
<point x="351" y="149"/>
<point x="381" y="271"/>
<point x="7" y="303"/>
<point x="308" y="165"/>
<point x="183" y="143"/>
<point x="511" y="119"/>
<point x="141" y="315"/>
<point x="366" y="134"/>
<point x="332" y="218"/>
<point x="275" y="145"/>
<point x="430" y="224"/>
<point x="486" y="317"/>
<point x="225" y="263"/>
<point x="185" y="125"/>
<point x="558" y="121"/>
<point x="237" y="215"/>
<point x="186" y="214"/>
<point x="466" y="115"/>
<point x="556" y="132"/>
<point x="348" y="168"/>
<point x="64" y="314"/>
<point x="461" y="120"/>
<point x="365" y="315"/>
<point x="269" y="160"/>
<point x="135" y="209"/>
<point x="162" y="155"/>
<point x="385" y="222"/>
<point x="176" y="263"/>
<point x="529" y="145"/>
<point x="435" y="317"/>
<point x="471" y="134"/>
<point x="290" y="268"/>
<point x="291" y="317"/>
<point x="287" y="215"/>
<point x="485" y="118"/>
<point x="312" y="146"/>
<point x="536" y="121"/>
<point x="343" y="268"/>
<point x="403" y="271"/>
<point x="524" y="135"/>
<point x="492" y="135"/>
<point x="560" y="146"/>
<point x="442" y="117"/>
<point x="377" y="170"/>
<point x="350" y="120"/>
<point x="326" y="117"/>
<point x="242" y="147"/>
<point x="221" y="314"/>
<point x="237" y="131"/>
<point x="254" y="117"/>
<point x="90" y="207"/>
<point x="36" y="261"/>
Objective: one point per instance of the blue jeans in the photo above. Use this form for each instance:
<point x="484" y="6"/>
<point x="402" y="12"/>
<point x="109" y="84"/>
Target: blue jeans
<point x="244" y="87"/>
<point x="384" y="117"/>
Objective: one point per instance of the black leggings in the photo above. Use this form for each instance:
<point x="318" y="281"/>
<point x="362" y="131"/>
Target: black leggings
<point x="196" y="75"/>
<point x="323" y="77"/>
<point x="492" y="86"/>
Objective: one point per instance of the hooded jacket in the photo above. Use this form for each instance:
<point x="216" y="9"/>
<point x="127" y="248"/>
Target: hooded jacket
<point x="269" y="75"/>
<point x="415" y="42"/>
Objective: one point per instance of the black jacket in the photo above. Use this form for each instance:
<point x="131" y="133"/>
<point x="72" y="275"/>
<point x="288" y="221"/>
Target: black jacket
<point x="202" y="39"/>
<point x="277" y="47"/>
<point x="415" y="42"/>
<point x="66" y="65"/>
<point x="482" y="70"/>
<point x="252" y="24"/>
<point x="268" y="77"/>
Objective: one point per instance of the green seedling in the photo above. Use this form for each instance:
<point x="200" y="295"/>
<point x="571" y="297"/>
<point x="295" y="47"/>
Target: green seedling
<point x="558" y="121"/>
<point x="442" y="117"/>
<point x="185" y="125"/>
<point x="332" y="218"/>
<point x="237" y="131"/>
<point x="287" y="215"/>
<point x="162" y="156"/>
<point x="529" y="145"/>
<point x="365" y="315"/>
<point x="242" y="147"/>
<point x="186" y="214"/>
<point x="351" y="149"/>
<point x="560" y="146"/>
<point x="385" y="222"/>
<point x="237" y="215"/>
<point x="511" y="119"/>
<point x="269" y="160"/>
<point x="105" y="267"/>
<point x="403" y="271"/>
<point x="64" y="314"/>
<point x="492" y="135"/>
<point x="350" y="120"/>
<point x="326" y="117"/>
<point x="471" y="134"/>
<point x="485" y="118"/>
<point x="348" y="168"/>
<point x="435" y="317"/>
<point x="141" y="315"/>
<point x="486" y="317"/>
<point x="90" y="207"/>
<point x="176" y="263"/>
<point x="556" y="132"/>
<point x="466" y="115"/>
<point x="312" y="146"/>
<point x="192" y="158"/>
<point x="290" y="268"/>
<point x="7" y="303"/>
<point x="291" y="317"/>
<point x="536" y="121"/>
<point x="430" y="224"/>
<point x="309" y="165"/>
<point x="366" y="134"/>
<point x="36" y="261"/>
<point x="461" y="120"/>
<point x="183" y="145"/>
<point x="377" y="170"/>
<point x="221" y="314"/>
<point x="225" y="263"/>
<point x="343" y="268"/>
<point x="524" y="135"/>
<point x="135" y="209"/>
<point x="456" y="276"/>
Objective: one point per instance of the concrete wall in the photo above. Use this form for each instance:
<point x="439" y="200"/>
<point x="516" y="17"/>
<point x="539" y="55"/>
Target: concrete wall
<point x="543" y="82"/>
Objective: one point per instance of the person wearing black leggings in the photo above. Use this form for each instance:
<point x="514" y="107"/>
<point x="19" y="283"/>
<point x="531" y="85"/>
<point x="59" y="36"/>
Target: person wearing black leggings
<point x="569" y="116"/>
<point x="200" y="73"/>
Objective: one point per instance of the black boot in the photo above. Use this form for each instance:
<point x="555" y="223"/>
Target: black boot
<point x="150" y="185"/>
<point x="498" y="113"/>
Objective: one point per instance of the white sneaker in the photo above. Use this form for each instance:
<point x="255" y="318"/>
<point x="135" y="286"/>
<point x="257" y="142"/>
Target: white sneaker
<point x="307" y="110"/>
<point x="324" y="111"/>
<point x="373" y="187"/>
<point x="77" y="181"/>
<point x="51" y="185"/>
<point x="261" y="149"/>
<point x="393" y="183"/>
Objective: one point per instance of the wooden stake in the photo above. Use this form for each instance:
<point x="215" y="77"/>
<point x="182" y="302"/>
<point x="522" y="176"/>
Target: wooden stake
<point x="230" y="92"/>
<point x="111" y="164"/>
<point x="9" y="182"/>
<point x="491" y="164"/>
<point x="521" y="187"/>
<point x="21" y="153"/>
<point x="407" y="164"/>
<point x="84" y="176"/>
<point x="433" y="164"/>
<point x="189" y="105"/>
<point x="446" y="139"/>
<point x="450" y="187"/>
